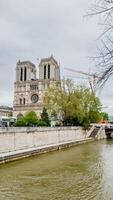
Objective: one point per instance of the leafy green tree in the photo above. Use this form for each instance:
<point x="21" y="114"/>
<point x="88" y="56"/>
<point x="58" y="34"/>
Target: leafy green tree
<point x="45" y="117"/>
<point x="105" y="116"/>
<point x="57" y="99"/>
<point x="41" y="123"/>
<point x="76" y="105"/>
<point x="30" y="119"/>
<point x="20" y="122"/>
<point x="54" y="114"/>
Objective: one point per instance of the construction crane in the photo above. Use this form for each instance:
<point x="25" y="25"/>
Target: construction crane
<point x="91" y="77"/>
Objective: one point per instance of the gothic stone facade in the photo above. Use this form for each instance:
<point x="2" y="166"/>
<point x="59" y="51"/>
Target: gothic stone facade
<point x="28" y="90"/>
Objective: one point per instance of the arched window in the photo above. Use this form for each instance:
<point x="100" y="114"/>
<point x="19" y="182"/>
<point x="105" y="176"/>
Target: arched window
<point x="20" y="101"/>
<point x="21" y="74"/>
<point x="24" y="101"/>
<point x="25" y="74"/>
<point x="48" y="71"/>
<point x="44" y="71"/>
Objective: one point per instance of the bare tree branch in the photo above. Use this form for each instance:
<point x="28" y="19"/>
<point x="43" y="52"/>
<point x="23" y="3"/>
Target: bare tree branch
<point x="104" y="8"/>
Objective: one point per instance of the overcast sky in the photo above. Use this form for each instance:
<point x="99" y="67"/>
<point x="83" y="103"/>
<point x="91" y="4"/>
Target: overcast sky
<point x="33" y="29"/>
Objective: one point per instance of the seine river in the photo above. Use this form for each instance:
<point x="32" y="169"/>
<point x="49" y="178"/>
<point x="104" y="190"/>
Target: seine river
<point x="83" y="172"/>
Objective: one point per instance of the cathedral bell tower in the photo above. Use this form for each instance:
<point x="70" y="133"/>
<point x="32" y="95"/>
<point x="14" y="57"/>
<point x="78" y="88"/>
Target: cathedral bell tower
<point x="25" y="71"/>
<point x="49" y="72"/>
<point x="26" y="91"/>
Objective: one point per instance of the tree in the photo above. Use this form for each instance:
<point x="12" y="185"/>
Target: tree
<point x="104" y="8"/>
<point x="30" y="119"/>
<point x="57" y="99"/>
<point x="90" y="107"/>
<point x="105" y="116"/>
<point x="45" y="117"/>
<point x="76" y="105"/>
<point x="20" y="122"/>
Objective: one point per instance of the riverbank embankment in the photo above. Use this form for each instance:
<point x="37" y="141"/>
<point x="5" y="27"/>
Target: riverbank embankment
<point x="18" y="143"/>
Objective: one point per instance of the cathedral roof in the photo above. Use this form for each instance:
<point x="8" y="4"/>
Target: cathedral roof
<point x="51" y="58"/>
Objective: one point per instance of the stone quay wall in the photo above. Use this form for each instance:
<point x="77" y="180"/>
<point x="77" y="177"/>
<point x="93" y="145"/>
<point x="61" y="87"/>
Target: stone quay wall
<point x="18" y="143"/>
<point x="13" y="139"/>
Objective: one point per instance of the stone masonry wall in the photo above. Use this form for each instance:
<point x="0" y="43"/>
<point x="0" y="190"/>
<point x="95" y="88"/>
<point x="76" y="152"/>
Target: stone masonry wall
<point x="12" y="139"/>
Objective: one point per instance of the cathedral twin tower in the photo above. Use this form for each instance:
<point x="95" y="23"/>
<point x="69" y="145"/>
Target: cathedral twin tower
<point x="28" y="89"/>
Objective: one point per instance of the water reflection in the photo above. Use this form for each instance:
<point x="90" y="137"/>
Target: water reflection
<point x="80" y="173"/>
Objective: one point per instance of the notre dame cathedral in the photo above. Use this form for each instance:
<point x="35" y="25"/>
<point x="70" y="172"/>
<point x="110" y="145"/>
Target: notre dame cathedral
<point x="28" y="89"/>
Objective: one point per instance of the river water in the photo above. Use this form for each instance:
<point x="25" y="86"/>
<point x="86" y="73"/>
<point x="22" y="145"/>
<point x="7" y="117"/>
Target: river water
<point x="83" y="172"/>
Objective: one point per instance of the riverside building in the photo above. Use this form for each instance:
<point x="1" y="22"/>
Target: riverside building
<point x="28" y="89"/>
<point x="6" y="111"/>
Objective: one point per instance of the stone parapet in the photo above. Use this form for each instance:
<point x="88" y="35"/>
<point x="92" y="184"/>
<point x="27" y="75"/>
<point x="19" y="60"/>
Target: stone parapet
<point x="13" y="139"/>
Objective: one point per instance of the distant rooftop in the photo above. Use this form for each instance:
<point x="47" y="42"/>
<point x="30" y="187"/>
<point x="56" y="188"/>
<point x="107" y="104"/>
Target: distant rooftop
<point x="6" y="108"/>
<point x="25" y="62"/>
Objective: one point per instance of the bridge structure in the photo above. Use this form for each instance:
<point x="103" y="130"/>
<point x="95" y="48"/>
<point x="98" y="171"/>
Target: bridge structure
<point x="97" y="129"/>
<point x="109" y="131"/>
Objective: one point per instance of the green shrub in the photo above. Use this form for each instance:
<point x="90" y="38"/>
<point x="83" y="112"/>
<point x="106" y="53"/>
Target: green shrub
<point x="41" y="123"/>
